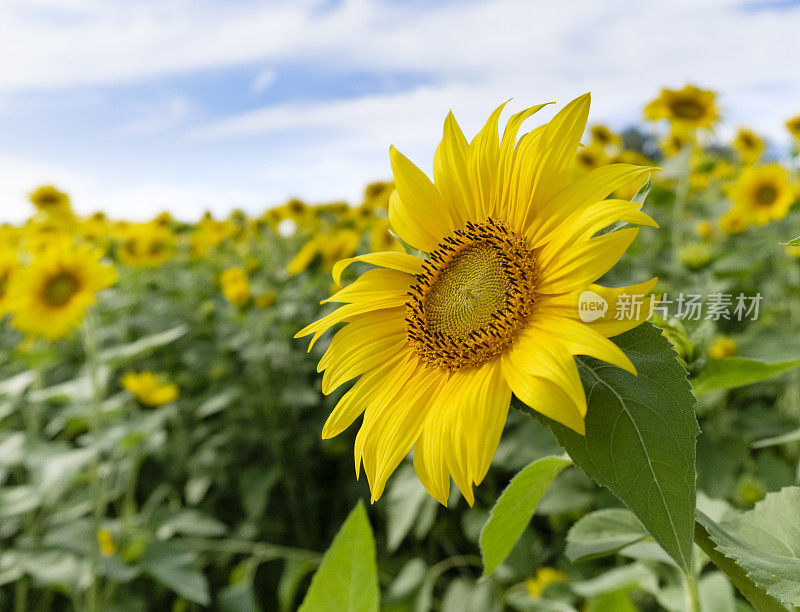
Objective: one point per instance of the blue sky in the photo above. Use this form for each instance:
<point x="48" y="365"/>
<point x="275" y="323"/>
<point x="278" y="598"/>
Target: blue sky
<point x="134" y="107"/>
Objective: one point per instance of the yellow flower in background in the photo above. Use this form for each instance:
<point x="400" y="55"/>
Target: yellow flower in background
<point x="106" y="543"/>
<point x="590" y="157"/>
<point x="749" y="145"/>
<point x="763" y="193"/>
<point x="208" y="234"/>
<point x="601" y="135"/>
<point x="687" y="108"/>
<point x="793" y="251"/>
<point x="722" y="347"/>
<point x="545" y="576"/>
<point x="235" y="286"/>
<point x="49" y="296"/>
<point x="793" y="125"/>
<point x="381" y="239"/>
<point x="305" y="256"/>
<point x="733" y="222"/>
<point x="9" y="262"/>
<point x="146" y="245"/>
<point x="704" y="229"/>
<point x="675" y="142"/>
<point x="150" y="389"/>
<point x="51" y="201"/>
<point x="265" y="300"/>
<point x="441" y="343"/>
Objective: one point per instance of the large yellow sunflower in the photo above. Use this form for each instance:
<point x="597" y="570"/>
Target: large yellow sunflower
<point x="763" y="193"/>
<point x="686" y="108"/>
<point x="440" y="342"/>
<point x="49" y="296"/>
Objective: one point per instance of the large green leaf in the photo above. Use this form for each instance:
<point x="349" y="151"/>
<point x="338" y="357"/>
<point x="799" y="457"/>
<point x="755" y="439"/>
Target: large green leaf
<point x="347" y="578"/>
<point x="765" y="542"/>
<point x="737" y="371"/>
<point x="603" y="532"/>
<point x="792" y="243"/>
<point x="640" y="437"/>
<point x="514" y="509"/>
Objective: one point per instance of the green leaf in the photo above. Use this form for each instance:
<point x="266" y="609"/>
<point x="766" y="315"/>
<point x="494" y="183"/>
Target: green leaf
<point x="787" y="438"/>
<point x="640" y="437"/>
<point x="715" y="593"/>
<point x="405" y="501"/>
<point x="347" y="578"/>
<point x="174" y="568"/>
<point x="603" y="532"/>
<point x="792" y="243"/>
<point x="765" y="542"/>
<point x="514" y="509"/>
<point x="125" y="352"/>
<point x="736" y="372"/>
<point x="628" y="577"/>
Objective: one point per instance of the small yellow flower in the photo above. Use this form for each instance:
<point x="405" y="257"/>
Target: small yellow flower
<point x="704" y="229"/>
<point x="150" y="389"/>
<point x="381" y="239"/>
<point x="9" y="263"/>
<point x="51" y="201"/>
<point x="763" y="193"/>
<point x="675" y="142"/>
<point x="305" y="256"/>
<point x="794" y="251"/>
<point x="603" y="136"/>
<point x="106" y="542"/>
<point x="749" y="145"/>
<point x="793" y="125"/>
<point x="733" y="222"/>
<point x="687" y="108"/>
<point x="49" y="296"/>
<point x="265" y="300"/>
<point x="590" y="157"/>
<point x="146" y="245"/>
<point x="545" y="576"/>
<point x="235" y="286"/>
<point x="722" y="347"/>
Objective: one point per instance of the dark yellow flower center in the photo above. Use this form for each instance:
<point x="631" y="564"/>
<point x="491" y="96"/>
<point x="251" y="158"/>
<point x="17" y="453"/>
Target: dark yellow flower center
<point x="766" y="195"/>
<point x="60" y="288"/>
<point x="474" y="294"/>
<point x="687" y="108"/>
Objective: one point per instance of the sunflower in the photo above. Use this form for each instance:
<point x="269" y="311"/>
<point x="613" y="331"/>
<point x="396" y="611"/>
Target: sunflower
<point x="793" y="125"/>
<point x="150" y="389"/>
<point x="9" y="263"/>
<point x="146" y="245"/>
<point x="235" y="286"/>
<point x="763" y="193"/>
<point x="733" y="222"/>
<point x="687" y="108"/>
<point x="603" y="136"/>
<point x="590" y="157"/>
<point x="749" y="145"/>
<point x="49" y="296"/>
<point x="441" y="342"/>
<point x="381" y="239"/>
<point x="51" y="201"/>
<point x="675" y="142"/>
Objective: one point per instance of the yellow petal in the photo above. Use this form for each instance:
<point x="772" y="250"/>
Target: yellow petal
<point x="391" y="260"/>
<point x="376" y="284"/>
<point x="450" y="174"/>
<point x="417" y="211"/>
<point x="347" y="313"/>
<point x="586" y="191"/>
<point x="483" y="159"/>
<point x="584" y="262"/>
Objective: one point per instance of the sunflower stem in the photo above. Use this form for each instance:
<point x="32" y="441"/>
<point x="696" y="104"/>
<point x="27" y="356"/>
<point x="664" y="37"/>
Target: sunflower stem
<point x="90" y="349"/>
<point x="681" y="196"/>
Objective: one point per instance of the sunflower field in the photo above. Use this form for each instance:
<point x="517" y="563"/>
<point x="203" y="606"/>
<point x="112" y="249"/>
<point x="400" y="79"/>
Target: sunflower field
<point x="566" y="364"/>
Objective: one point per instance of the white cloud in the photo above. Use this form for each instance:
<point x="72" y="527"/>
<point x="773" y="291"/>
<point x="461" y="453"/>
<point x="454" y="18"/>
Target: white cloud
<point x="263" y="80"/>
<point x="162" y="115"/>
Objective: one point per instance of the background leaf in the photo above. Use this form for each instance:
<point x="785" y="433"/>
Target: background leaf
<point x="514" y="509"/>
<point x="347" y="578"/>
<point x="603" y="532"/>
<point x="736" y="372"/>
<point x="640" y="437"/>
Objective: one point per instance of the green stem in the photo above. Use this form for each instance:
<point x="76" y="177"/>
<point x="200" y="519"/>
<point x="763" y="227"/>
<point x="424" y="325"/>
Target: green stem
<point x="679" y="208"/>
<point x="90" y="348"/>
<point x="692" y="601"/>
<point x="760" y="600"/>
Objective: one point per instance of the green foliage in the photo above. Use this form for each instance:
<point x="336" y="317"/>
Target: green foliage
<point x="765" y="542"/>
<point x="733" y="372"/>
<point x="514" y="509"/>
<point x="347" y="578"/>
<point x="602" y="533"/>
<point x="640" y="438"/>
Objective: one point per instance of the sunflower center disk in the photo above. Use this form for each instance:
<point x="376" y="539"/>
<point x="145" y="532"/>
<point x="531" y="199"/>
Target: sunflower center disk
<point x="474" y="293"/>
<point x="687" y="109"/>
<point x="60" y="289"/>
<point x="766" y="194"/>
